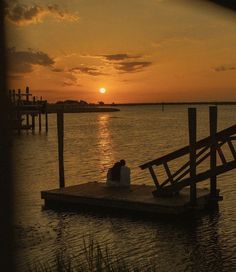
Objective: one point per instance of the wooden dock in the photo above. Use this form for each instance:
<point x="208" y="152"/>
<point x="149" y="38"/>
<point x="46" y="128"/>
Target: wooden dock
<point x="137" y="198"/>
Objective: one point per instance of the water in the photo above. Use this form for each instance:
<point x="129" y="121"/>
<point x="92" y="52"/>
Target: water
<point x="93" y="142"/>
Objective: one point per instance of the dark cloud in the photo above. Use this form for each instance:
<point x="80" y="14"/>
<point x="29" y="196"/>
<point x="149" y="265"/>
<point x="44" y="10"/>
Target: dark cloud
<point x="24" y="61"/>
<point x="133" y="66"/>
<point x="127" y="63"/>
<point x="224" y="68"/>
<point x="119" y="57"/>
<point x="87" y="70"/>
<point x="22" y="14"/>
<point x="69" y="83"/>
<point x="58" y="70"/>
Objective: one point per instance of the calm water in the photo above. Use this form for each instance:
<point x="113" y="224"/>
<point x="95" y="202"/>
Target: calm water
<point x="93" y="141"/>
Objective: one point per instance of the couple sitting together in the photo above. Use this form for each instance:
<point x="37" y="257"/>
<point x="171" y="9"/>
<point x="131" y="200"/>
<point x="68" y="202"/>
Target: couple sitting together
<point x="119" y="175"/>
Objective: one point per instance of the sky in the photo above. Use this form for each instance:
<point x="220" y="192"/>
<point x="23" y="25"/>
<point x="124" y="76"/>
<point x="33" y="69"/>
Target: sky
<point x="138" y="50"/>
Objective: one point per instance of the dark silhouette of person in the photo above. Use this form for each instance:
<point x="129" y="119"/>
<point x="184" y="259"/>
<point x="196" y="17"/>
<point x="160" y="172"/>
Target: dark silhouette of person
<point x="124" y="174"/>
<point x="115" y="172"/>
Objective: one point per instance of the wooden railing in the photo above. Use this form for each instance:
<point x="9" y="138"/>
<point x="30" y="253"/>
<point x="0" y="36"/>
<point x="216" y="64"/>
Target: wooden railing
<point x="198" y="152"/>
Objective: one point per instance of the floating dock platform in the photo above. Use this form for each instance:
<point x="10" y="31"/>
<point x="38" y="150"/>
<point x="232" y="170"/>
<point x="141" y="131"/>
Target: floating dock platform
<point x="137" y="198"/>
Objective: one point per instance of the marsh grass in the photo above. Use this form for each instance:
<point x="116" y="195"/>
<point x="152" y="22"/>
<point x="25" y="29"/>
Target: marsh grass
<point x="94" y="258"/>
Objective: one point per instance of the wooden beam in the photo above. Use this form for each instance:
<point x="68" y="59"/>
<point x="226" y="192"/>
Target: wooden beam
<point x="221" y="154"/>
<point x="170" y="177"/>
<point x="60" y="135"/>
<point x="232" y="149"/>
<point x="223" y="135"/>
<point x="202" y="176"/>
<point x="154" y="177"/>
<point x="192" y="124"/>
<point x="183" y="167"/>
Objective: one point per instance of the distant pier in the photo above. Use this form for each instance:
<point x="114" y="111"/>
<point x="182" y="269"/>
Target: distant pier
<point x="25" y="109"/>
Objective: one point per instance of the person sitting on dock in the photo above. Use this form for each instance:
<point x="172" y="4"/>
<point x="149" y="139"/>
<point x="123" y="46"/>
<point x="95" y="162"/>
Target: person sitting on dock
<point x="113" y="175"/>
<point x="124" y="174"/>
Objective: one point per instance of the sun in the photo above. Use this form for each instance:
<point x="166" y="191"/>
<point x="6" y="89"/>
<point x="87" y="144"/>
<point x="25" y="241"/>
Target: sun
<point x="102" y="90"/>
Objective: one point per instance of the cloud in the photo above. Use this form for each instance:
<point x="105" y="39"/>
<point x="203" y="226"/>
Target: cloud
<point x="69" y="83"/>
<point x="119" y="57"/>
<point x="24" y="61"/>
<point x="58" y="70"/>
<point x="87" y="70"/>
<point x="224" y="68"/>
<point x="126" y="63"/>
<point x="132" y="67"/>
<point x="21" y="14"/>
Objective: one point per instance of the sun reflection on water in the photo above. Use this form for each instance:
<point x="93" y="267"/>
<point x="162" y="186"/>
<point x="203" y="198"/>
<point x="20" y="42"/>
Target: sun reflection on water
<point x="105" y="143"/>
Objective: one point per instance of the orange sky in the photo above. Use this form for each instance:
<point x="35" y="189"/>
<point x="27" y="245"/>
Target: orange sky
<point x="139" y="50"/>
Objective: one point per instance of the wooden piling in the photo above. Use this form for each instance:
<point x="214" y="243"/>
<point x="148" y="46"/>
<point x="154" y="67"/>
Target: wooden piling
<point x="19" y="95"/>
<point x="40" y="121"/>
<point x="33" y="122"/>
<point x="192" y="122"/>
<point x="13" y="97"/>
<point x="162" y="106"/>
<point x="213" y="149"/>
<point x="60" y="135"/>
<point x="46" y="120"/>
<point x="18" y="114"/>
<point x="27" y="100"/>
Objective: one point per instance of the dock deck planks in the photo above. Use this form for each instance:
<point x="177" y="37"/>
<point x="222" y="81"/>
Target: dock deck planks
<point x="137" y="198"/>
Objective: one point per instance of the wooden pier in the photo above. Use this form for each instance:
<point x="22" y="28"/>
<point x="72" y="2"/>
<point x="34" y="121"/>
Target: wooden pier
<point x="25" y="109"/>
<point x="137" y="198"/>
<point x="176" y="195"/>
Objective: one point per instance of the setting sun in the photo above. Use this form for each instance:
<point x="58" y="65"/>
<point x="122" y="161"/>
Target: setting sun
<point x="102" y="90"/>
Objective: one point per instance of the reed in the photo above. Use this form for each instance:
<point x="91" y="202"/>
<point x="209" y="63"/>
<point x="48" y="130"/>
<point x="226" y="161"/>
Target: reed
<point x="94" y="259"/>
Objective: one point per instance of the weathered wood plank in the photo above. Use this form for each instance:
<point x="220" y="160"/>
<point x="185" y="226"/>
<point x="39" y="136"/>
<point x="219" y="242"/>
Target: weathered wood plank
<point x="136" y="198"/>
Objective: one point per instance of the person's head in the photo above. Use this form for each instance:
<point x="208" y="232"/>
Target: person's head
<point x="122" y="162"/>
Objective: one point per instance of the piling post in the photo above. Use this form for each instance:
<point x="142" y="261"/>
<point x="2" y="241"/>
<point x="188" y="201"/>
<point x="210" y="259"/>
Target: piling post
<point x="60" y="135"/>
<point x="10" y="95"/>
<point x="19" y="95"/>
<point x="46" y="120"/>
<point x="192" y="123"/>
<point x="162" y="106"/>
<point x="40" y="122"/>
<point x="27" y="100"/>
<point x="33" y="121"/>
<point x="213" y="161"/>
<point x="18" y="116"/>
<point x="14" y="97"/>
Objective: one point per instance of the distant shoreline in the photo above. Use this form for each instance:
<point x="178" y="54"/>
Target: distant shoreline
<point x="174" y="103"/>
<point x="53" y="108"/>
<point x="78" y="109"/>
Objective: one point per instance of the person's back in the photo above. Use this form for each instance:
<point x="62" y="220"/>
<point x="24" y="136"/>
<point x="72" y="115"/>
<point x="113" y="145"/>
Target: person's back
<point x="113" y="175"/>
<point x="124" y="174"/>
